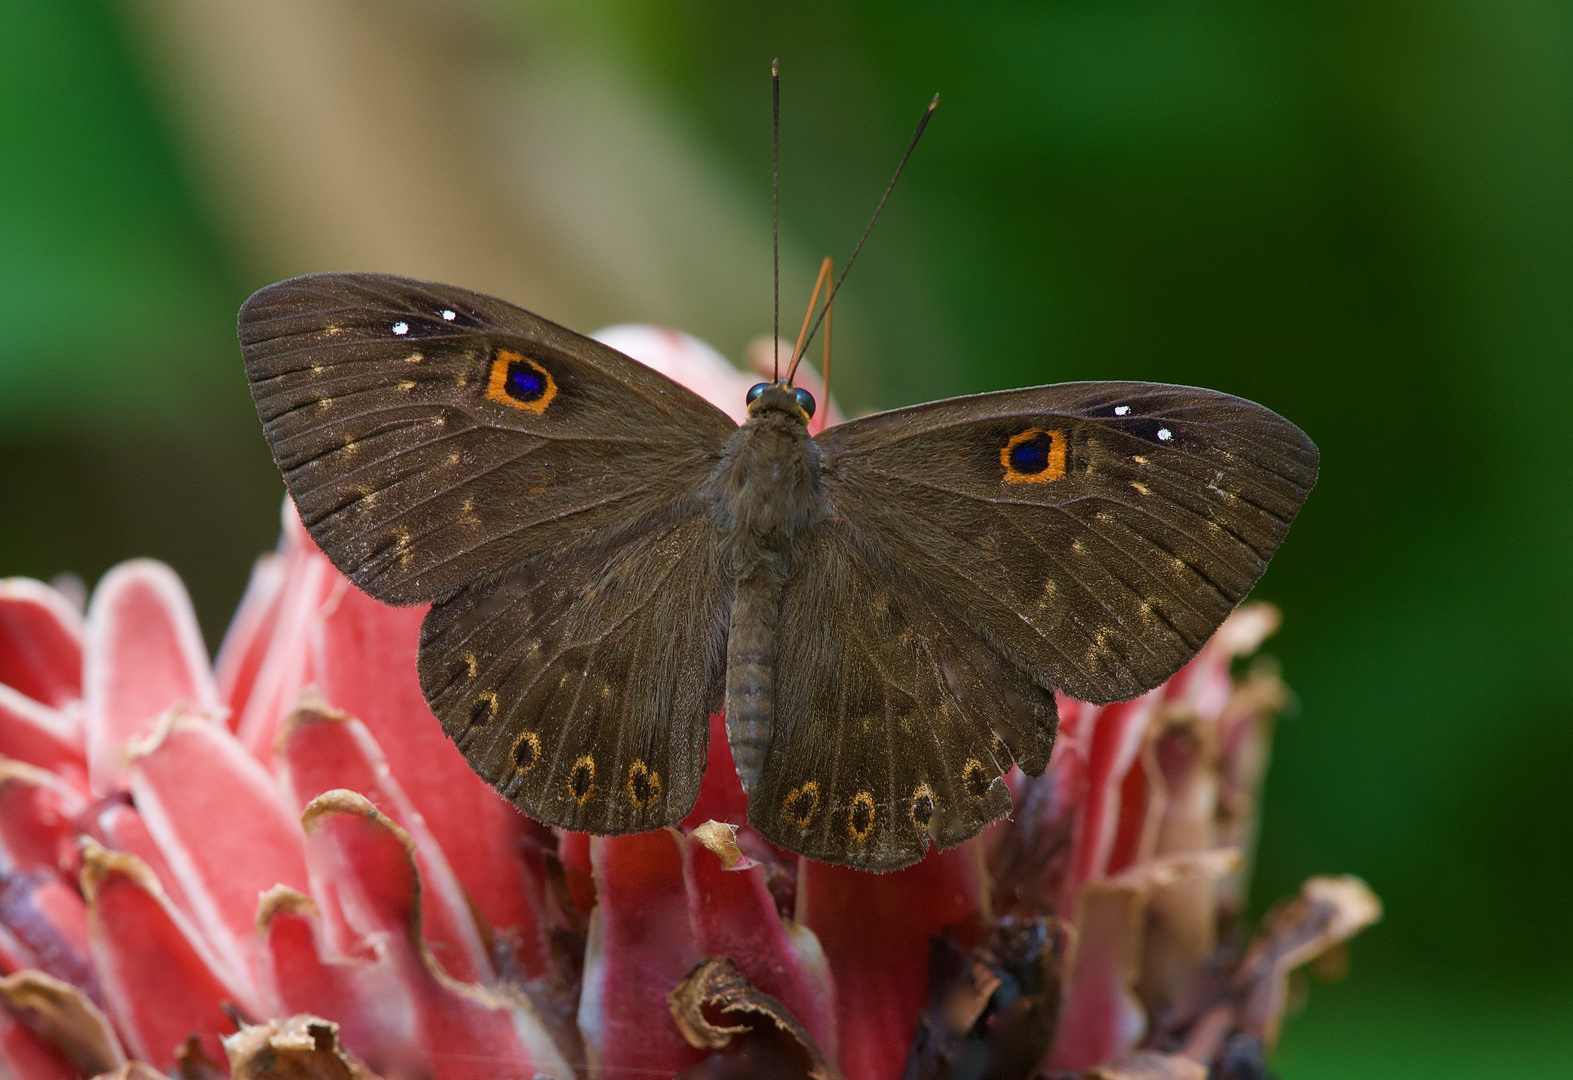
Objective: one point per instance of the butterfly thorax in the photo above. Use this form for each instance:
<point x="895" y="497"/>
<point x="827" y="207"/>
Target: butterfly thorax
<point x="766" y="492"/>
<point x="765" y="495"/>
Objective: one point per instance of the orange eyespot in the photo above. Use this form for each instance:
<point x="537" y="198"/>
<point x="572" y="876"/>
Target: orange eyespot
<point x="643" y="786"/>
<point x="800" y="804"/>
<point x="520" y="383"/>
<point x="922" y="806"/>
<point x="860" y="816"/>
<point x="483" y="710"/>
<point x="975" y="778"/>
<point x="581" y="779"/>
<point x="526" y="752"/>
<point x="1034" y="456"/>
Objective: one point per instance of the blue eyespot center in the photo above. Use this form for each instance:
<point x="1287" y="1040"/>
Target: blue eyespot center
<point x="805" y="400"/>
<point x="754" y="392"/>
<point x="524" y="382"/>
<point x="1032" y="456"/>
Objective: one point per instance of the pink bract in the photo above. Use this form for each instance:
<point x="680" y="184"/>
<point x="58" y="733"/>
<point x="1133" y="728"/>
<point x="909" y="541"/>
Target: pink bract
<point x="285" y="844"/>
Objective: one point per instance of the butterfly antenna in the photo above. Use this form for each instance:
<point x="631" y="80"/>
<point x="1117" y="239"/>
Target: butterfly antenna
<point x="822" y="416"/>
<point x="775" y="212"/>
<point x="911" y="146"/>
<point x="825" y="269"/>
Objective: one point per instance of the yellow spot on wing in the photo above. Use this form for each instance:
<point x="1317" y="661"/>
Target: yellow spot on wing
<point x="860" y="816"/>
<point x="643" y="786"/>
<point x="484" y="709"/>
<point x="1050" y="590"/>
<point x="921" y="806"/>
<point x="975" y="778"/>
<point x="800" y="803"/>
<point x="526" y="752"/>
<point x="581" y="779"/>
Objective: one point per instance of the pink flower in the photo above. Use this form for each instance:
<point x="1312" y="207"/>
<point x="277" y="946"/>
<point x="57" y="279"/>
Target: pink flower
<point x="279" y="862"/>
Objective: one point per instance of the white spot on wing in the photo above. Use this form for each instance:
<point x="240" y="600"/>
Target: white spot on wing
<point x="400" y="329"/>
<point x="448" y="316"/>
<point x="1121" y="410"/>
<point x="1164" y="434"/>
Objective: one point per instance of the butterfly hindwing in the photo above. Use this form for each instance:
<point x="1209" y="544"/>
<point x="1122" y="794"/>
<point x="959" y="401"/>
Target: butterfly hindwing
<point x="430" y="435"/>
<point x="893" y="721"/>
<point x="1095" y="534"/>
<point x="580" y="684"/>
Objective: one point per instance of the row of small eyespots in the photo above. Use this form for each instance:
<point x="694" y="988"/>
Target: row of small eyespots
<point x="802" y="802"/>
<point x="642" y="785"/>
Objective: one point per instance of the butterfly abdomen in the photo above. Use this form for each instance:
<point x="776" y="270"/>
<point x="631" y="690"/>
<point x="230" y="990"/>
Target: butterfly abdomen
<point x="750" y="674"/>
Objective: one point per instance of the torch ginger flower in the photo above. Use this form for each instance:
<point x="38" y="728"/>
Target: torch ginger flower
<point x="279" y="865"/>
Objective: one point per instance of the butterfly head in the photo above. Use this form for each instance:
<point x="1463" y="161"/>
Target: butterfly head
<point x="781" y="397"/>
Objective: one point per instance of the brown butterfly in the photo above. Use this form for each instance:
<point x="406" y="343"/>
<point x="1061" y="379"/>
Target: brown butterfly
<point x="884" y="609"/>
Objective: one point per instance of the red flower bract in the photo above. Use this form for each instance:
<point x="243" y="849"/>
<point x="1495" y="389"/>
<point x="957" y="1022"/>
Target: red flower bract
<point x="281" y="862"/>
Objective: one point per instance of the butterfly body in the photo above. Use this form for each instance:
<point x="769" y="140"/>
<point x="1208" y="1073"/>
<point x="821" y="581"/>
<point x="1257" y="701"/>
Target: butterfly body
<point x="766" y="495"/>
<point x="884" y="610"/>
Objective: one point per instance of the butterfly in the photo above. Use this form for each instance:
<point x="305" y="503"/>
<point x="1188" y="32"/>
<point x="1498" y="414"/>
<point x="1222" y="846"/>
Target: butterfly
<point x="884" y="610"/>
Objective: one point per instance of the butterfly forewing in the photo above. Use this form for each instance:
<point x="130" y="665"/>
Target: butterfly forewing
<point x="1095" y="534"/>
<point x="429" y="434"/>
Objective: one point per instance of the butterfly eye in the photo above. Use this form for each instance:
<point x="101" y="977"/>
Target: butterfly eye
<point x="805" y="400"/>
<point x="755" y="390"/>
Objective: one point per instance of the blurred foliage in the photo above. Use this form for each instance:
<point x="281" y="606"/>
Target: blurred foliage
<point x="125" y="423"/>
<point x="1360" y="215"/>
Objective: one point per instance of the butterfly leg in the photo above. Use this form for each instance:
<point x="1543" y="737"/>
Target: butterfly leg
<point x="750" y="673"/>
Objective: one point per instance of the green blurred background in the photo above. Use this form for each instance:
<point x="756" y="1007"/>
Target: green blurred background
<point x="1358" y="214"/>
